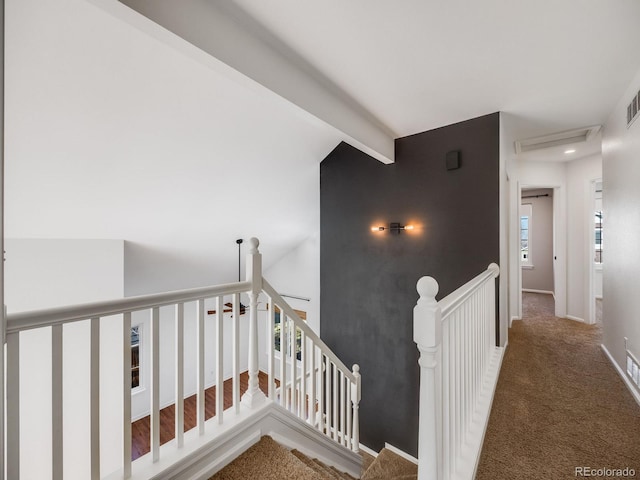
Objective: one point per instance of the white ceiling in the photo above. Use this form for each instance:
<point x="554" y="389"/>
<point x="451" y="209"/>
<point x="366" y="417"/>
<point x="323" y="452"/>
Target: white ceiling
<point x="113" y="133"/>
<point x="418" y="65"/>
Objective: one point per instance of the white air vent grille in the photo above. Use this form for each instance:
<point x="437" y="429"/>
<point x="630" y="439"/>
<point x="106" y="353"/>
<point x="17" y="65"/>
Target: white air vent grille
<point x="568" y="137"/>
<point x="633" y="110"/>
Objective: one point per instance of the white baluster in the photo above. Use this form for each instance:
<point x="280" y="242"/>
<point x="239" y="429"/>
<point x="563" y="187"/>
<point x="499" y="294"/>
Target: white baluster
<point x="179" y="419"/>
<point x="253" y="396"/>
<point x="95" y="398"/>
<point x="13" y="405"/>
<point x="219" y="359"/>
<point x="427" y="333"/>
<point x="356" y="393"/>
<point x="320" y="411"/>
<point x="126" y="395"/>
<point x="200" y="367"/>
<point x="284" y="347"/>
<point x="303" y="376"/>
<point x="155" y="384"/>
<point x="312" y="385"/>
<point x="57" y="437"/>
<point x="236" y="352"/>
<point x="327" y="391"/>
<point x="271" y="350"/>
<point x="343" y="401"/>
<point x="334" y="406"/>
<point x="349" y="443"/>
<point x="446" y="396"/>
<point x="293" y="344"/>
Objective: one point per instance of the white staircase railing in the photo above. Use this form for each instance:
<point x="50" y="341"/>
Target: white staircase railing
<point x="313" y="383"/>
<point x="459" y="366"/>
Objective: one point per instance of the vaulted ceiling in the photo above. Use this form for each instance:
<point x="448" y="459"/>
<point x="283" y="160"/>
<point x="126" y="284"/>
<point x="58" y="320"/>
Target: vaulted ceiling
<point x="118" y="128"/>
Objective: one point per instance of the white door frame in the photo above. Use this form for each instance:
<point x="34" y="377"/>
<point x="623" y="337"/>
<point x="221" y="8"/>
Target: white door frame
<point x="591" y="251"/>
<point x="559" y="247"/>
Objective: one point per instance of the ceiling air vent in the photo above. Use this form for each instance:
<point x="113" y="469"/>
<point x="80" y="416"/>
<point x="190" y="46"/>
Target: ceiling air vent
<point x="567" y="137"/>
<point x="633" y="109"/>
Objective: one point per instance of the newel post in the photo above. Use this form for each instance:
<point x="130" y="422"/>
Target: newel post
<point x="356" y="394"/>
<point x="427" y="333"/>
<point x="253" y="396"/>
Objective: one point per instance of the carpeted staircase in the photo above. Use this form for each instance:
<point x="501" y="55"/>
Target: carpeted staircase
<point x="268" y="460"/>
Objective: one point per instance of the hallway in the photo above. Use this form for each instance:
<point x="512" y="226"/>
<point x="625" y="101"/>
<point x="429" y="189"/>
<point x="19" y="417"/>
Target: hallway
<point x="559" y="403"/>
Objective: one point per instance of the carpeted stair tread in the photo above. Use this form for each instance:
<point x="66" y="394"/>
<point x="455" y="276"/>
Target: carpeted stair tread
<point x="314" y="464"/>
<point x="342" y="475"/>
<point x="390" y="466"/>
<point x="367" y="460"/>
<point x="267" y="460"/>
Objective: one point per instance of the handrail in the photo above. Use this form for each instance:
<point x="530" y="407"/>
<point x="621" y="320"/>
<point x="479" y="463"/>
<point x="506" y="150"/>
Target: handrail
<point x="449" y="303"/>
<point x="269" y="290"/>
<point x="17" y="322"/>
<point x="459" y="364"/>
<point x="319" y="389"/>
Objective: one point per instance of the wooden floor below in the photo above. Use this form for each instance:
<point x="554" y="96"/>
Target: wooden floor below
<point x="141" y="431"/>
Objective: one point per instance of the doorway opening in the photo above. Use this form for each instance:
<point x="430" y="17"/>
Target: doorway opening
<point x="537" y="242"/>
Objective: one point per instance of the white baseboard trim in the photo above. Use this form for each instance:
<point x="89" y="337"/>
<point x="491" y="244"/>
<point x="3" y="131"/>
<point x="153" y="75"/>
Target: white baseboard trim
<point x="575" y="319"/>
<point x="533" y="290"/>
<point x="627" y="382"/>
<point x="512" y="319"/>
<point x="368" y="450"/>
<point x="598" y="297"/>
<point x="401" y="453"/>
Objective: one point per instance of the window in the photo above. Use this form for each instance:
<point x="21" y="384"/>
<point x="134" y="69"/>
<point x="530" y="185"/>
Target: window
<point x="598" y="237"/>
<point x="525" y="235"/>
<point x="136" y="332"/>
<point x="277" y="329"/>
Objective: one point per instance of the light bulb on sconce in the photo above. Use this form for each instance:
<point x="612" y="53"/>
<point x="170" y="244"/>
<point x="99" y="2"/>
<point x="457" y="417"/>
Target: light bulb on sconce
<point x="393" y="227"/>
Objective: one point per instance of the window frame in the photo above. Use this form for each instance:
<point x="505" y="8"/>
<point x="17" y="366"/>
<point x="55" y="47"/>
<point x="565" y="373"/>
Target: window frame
<point x="526" y="210"/>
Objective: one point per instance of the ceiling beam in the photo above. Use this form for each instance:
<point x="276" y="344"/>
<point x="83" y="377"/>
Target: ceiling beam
<point x="238" y="46"/>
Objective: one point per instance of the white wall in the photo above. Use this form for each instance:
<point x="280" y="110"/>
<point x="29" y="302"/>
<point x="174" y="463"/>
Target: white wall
<point x="540" y="275"/>
<point x="621" y="197"/>
<point x="43" y="273"/>
<point x="298" y="274"/>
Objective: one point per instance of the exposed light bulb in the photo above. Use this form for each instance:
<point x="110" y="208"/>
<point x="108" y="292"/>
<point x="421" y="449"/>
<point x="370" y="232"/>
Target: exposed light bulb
<point x="571" y="150"/>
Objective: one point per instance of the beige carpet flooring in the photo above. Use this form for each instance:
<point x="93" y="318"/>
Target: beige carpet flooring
<point x="267" y="460"/>
<point x="559" y="403"/>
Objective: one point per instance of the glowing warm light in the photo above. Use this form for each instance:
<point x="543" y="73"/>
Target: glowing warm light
<point x="408" y="227"/>
<point x="571" y="150"/>
<point x="377" y="229"/>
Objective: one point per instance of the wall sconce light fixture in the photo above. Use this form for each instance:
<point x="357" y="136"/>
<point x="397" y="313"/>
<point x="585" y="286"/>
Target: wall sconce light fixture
<point x="393" y="227"/>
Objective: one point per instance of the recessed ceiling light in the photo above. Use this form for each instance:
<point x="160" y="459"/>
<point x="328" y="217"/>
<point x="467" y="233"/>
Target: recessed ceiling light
<point x="571" y="150"/>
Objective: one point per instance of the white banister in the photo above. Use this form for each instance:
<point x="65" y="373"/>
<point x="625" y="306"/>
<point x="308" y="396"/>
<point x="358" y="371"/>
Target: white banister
<point x="314" y="384"/>
<point x="253" y="396"/>
<point x="459" y="363"/>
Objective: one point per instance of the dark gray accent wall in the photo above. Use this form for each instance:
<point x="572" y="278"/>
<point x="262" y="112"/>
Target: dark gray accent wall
<point x="368" y="278"/>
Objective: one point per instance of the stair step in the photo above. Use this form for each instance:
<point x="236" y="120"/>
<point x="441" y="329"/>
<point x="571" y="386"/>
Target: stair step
<point x="267" y="460"/>
<point x="314" y="464"/>
<point x="390" y="466"/>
